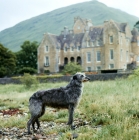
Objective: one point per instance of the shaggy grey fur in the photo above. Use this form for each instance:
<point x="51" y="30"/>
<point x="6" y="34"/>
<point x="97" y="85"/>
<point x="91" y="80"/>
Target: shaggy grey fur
<point x="63" y="97"/>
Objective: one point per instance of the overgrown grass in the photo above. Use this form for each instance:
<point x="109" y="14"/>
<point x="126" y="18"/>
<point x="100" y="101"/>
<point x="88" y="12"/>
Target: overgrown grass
<point x="111" y="105"/>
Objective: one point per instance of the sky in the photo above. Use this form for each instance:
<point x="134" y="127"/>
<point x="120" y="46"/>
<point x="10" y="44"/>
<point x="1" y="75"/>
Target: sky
<point x="14" y="11"/>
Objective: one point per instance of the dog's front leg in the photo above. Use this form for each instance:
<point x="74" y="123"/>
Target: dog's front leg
<point x="71" y="111"/>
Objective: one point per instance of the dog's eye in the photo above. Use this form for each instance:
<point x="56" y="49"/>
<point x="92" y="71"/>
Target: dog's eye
<point x="81" y="75"/>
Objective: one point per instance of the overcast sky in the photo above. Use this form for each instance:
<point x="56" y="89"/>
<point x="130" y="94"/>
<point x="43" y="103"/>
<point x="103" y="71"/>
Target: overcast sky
<point x="15" y="11"/>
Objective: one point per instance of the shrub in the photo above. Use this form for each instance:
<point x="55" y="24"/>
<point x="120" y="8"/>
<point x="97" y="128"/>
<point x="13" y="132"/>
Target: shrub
<point x="135" y="74"/>
<point x="72" y="68"/>
<point x="29" y="80"/>
<point x="27" y="70"/>
<point x="46" y="71"/>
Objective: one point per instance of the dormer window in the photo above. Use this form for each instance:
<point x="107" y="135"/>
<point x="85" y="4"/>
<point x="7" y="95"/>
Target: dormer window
<point x="111" y="39"/>
<point x="78" y="48"/>
<point x="87" y="44"/>
<point x="92" y="43"/>
<point x="46" y="48"/>
<point x="72" y="49"/>
<point x="65" y="49"/>
<point x="97" y="43"/>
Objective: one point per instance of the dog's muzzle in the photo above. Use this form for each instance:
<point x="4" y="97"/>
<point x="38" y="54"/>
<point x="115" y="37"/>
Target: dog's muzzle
<point x="86" y="79"/>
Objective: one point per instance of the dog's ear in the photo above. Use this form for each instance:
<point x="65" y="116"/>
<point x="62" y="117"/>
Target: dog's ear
<point x="75" y="77"/>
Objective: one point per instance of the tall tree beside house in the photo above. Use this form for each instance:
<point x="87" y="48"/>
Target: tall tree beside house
<point x="7" y="61"/>
<point x="27" y="58"/>
<point x="137" y="25"/>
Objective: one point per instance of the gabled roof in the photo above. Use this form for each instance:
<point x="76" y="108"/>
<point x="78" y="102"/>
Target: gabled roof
<point x="70" y="38"/>
<point x="121" y="26"/>
<point x="96" y="32"/>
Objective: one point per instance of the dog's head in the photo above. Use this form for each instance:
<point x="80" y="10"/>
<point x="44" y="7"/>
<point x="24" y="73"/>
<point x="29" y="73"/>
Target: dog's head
<point x="81" y="77"/>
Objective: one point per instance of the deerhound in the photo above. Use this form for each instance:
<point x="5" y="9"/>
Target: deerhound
<point x="63" y="97"/>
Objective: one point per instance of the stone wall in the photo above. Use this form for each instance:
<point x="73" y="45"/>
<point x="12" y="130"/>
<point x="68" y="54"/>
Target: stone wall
<point x="95" y="77"/>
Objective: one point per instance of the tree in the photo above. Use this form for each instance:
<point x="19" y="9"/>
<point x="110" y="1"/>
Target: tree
<point x="27" y="56"/>
<point x="7" y="61"/>
<point x="137" y="25"/>
<point x="72" y="68"/>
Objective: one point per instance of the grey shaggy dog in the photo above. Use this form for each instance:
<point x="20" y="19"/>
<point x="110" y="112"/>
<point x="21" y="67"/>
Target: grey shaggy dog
<point x="63" y="97"/>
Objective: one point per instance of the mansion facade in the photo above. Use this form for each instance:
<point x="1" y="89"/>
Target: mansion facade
<point x="111" y="45"/>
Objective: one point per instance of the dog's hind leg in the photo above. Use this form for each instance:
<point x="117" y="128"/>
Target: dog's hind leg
<point x="38" y="123"/>
<point x="37" y="110"/>
<point x="31" y="121"/>
<point x="71" y="111"/>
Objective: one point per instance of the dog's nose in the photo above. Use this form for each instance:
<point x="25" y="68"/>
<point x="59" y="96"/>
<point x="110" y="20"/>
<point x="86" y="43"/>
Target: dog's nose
<point x="87" y="78"/>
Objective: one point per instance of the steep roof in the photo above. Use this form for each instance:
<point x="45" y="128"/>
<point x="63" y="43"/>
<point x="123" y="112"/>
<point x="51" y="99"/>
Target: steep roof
<point x="96" y="32"/>
<point x="70" y="38"/>
<point x="121" y="26"/>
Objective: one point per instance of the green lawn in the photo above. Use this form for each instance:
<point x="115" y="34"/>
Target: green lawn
<point x="111" y="107"/>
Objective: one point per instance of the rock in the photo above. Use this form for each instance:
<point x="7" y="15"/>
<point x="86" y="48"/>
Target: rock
<point x="74" y="135"/>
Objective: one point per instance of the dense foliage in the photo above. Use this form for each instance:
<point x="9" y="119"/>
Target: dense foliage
<point x="72" y="68"/>
<point x="29" y="80"/>
<point x="7" y="61"/>
<point x="137" y="25"/>
<point x="135" y="74"/>
<point x="27" y="57"/>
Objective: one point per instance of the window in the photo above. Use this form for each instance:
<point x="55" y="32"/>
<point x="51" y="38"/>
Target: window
<point x="87" y="44"/>
<point x="65" y="49"/>
<point x="127" y="57"/>
<point x="138" y="42"/>
<point x="98" y="56"/>
<point x="58" y="60"/>
<point x="46" y="61"/>
<point x="72" y="49"/>
<point x="137" y="58"/>
<point x="111" y="54"/>
<point x="121" y="54"/>
<point x="111" y="66"/>
<point x="78" y="48"/>
<point x="78" y="27"/>
<point x="92" y="43"/>
<point x="46" y="48"/>
<point x="111" y="39"/>
<point x="127" y="42"/>
<point x="98" y="67"/>
<point x="88" y="57"/>
<point x="88" y="68"/>
<point x="121" y="40"/>
<point x="97" y="43"/>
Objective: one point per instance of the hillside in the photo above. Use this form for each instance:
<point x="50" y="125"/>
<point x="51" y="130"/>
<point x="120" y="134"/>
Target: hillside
<point x="54" y="21"/>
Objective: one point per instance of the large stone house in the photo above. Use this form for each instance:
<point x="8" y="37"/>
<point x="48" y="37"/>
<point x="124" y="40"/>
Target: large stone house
<point x="111" y="45"/>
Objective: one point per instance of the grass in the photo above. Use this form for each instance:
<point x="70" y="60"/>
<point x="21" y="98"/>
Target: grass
<point x="111" y="105"/>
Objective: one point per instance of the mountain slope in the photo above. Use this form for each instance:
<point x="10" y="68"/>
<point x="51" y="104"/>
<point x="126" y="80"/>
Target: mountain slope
<point x="53" y="22"/>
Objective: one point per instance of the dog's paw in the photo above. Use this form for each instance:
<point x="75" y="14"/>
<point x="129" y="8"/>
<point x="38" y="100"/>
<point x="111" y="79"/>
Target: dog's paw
<point x="73" y="127"/>
<point x="34" y="130"/>
<point x="29" y="133"/>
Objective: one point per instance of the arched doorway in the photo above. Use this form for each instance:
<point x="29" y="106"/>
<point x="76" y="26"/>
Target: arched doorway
<point x="65" y="60"/>
<point x="72" y="59"/>
<point x="79" y="61"/>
